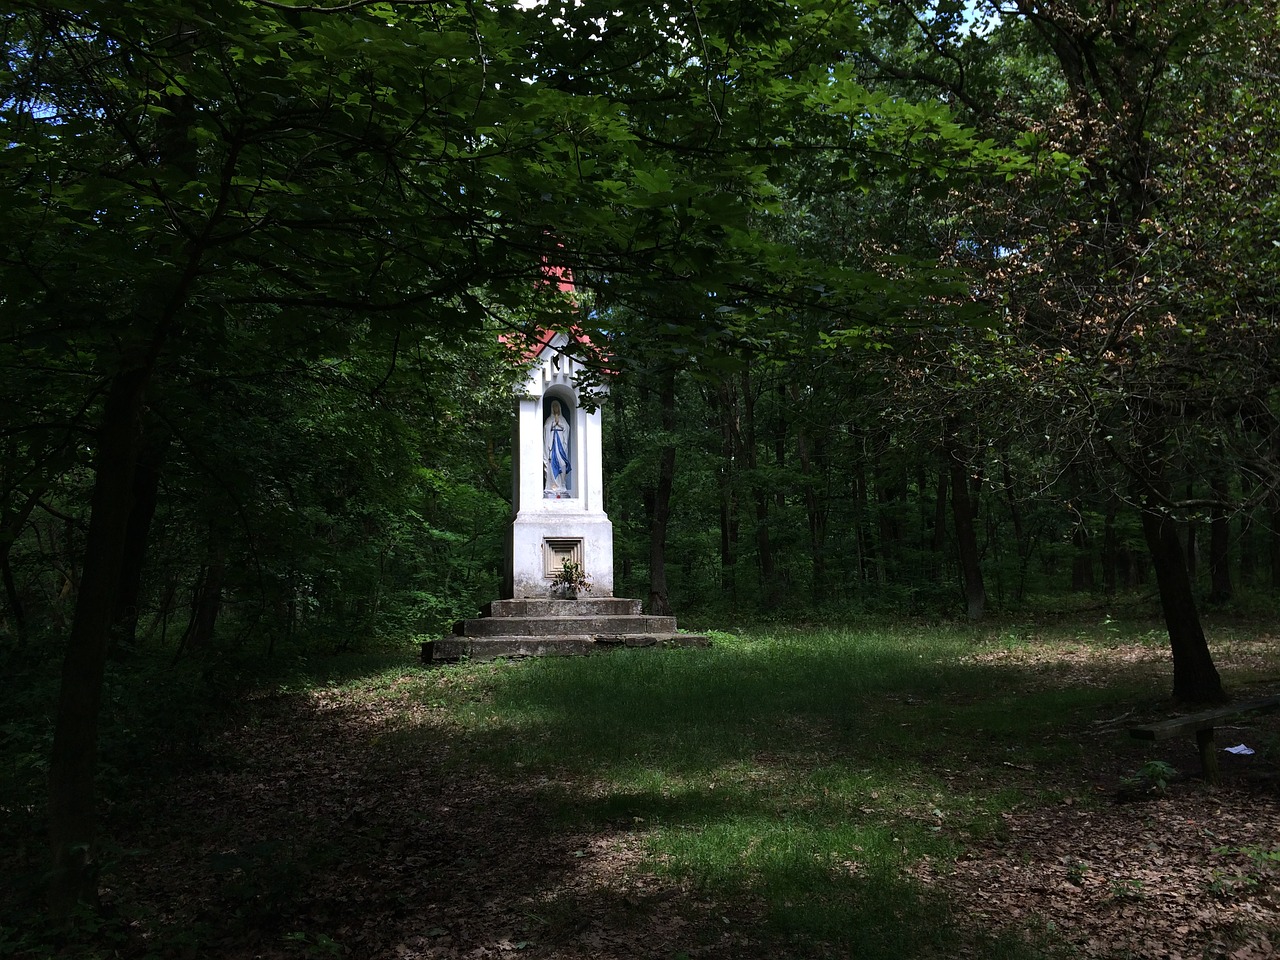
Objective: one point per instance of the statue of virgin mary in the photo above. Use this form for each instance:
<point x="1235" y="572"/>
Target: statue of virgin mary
<point x="556" y="453"/>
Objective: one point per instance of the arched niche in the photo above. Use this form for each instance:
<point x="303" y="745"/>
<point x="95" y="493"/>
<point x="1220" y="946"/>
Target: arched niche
<point x="561" y="459"/>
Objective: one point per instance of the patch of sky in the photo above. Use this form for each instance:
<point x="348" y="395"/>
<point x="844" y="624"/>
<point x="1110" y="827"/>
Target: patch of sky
<point x="964" y="17"/>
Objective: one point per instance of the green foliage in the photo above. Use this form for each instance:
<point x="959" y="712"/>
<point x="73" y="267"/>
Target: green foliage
<point x="1261" y="867"/>
<point x="322" y="294"/>
<point x="1154" y="775"/>
<point x="869" y="241"/>
<point x="572" y="576"/>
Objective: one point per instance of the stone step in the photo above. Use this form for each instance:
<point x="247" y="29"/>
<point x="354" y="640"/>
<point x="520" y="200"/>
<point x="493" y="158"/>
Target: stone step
<point x="449" y="649"/>
<point x="587" y="606"/>
<point x="563" y="626"/>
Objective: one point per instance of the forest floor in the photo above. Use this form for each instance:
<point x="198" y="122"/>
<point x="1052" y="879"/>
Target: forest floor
<point x="349" y="821"/>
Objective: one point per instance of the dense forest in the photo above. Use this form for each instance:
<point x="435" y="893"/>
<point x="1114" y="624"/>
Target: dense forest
<point x="933" y="308"/>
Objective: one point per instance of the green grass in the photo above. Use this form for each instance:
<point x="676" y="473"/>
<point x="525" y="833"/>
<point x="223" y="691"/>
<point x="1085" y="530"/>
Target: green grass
<point x="807" y="769"/>
<point x="802" y="776"/>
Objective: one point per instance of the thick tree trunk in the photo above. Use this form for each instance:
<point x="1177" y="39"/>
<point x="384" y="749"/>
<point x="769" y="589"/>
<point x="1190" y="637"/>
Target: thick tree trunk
<point x="146" y="489"/>
<point x="962" y="512"/>
<point x="1195" y="678"/>
<point x="73" y="757"/>
<point x="73" y="761"/>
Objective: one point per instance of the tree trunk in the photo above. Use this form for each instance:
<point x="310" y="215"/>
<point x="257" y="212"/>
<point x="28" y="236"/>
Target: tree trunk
<point x="726" y="481"/>
<point x="1220" y="545"/>
<point x="1248" y="556"/>
<point x="73" y="760"/>
<point x="864" y="542"/>
<point x="728" y="535"/>
<point x="888" y="494"/>
<point x="207" y="604"/>
<point x="146" y="489"/>
<point x="815" y="509"/>
<point x="621" y="447"/>
<point x="1193" y="541"/>
<point x="940" y="511"/>
<point x="1273" y="543"/>
<point x="962" y="512"/>
<point x="10" y="529"/>
<point x="12" y="598"/>
<point x="659" y="593"/>
<point x="1110" y="550"/>
<point x="780" y="447"/>
<point x="1021" y="538"/>
<point x="764" y="546"/>
<point x="1195" y="678"/>
<point x="660" y="512"/>
<point x="1082" y="559"/>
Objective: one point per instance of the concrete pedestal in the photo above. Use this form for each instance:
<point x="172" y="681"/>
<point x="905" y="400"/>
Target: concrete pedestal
<point x="545" y="627"/>
<point x="543" y="537"/>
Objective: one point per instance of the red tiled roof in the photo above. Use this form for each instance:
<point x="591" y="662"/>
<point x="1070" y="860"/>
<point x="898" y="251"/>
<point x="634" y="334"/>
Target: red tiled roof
<point x="531" y="347"/>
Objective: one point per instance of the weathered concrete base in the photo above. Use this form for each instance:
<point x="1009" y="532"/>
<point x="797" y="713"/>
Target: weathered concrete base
<point x="562" y="519"/>
<point x="541" y="627"/>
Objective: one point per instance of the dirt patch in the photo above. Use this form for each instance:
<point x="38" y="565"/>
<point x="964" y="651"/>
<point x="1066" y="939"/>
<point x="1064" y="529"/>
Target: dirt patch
<point x="322" y="825"/>
<point x="1141" y="871"/>
<point x="1177" y="876"/>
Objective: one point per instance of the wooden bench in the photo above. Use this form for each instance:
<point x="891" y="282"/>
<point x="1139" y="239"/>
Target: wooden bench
<point x="1202" y="725"/>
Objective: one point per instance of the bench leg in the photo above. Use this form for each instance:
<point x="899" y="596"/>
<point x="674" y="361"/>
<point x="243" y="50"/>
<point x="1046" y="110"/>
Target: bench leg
<point x="1208" y="756"/>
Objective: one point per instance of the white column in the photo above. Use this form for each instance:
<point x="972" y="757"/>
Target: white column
<point x="579" y="517"/>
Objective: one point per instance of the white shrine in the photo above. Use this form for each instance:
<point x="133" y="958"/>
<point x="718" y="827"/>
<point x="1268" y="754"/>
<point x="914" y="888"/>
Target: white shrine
<point x="558" y="519"/>
<point x="557" y="478"/>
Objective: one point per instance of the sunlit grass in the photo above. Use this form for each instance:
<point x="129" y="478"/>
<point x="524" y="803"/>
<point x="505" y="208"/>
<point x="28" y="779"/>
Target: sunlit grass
<point x="810" y="773"/>
<point x="808" y="769"/>
<point x="808" y="781"/>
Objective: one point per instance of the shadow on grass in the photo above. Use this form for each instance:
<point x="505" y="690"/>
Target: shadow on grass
<point x="795" y="777"/>
<point x="810" y="772"/>
<point x="863" y="700"/>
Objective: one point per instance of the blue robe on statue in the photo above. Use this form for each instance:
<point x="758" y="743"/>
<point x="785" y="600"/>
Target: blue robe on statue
<point x="558" y="464"/>
<point x="559" y="455"/>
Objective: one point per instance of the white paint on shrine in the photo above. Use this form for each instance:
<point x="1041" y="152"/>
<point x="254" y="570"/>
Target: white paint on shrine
<point x="558" y="480"/>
